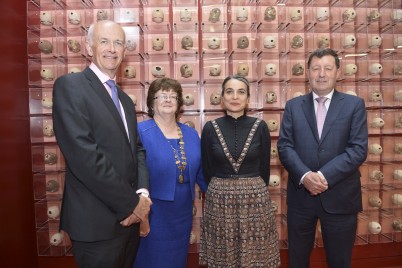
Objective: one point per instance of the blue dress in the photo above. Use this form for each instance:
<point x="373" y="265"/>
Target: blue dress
<point x="167" y="243"/>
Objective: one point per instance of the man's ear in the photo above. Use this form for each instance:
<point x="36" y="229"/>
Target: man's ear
<point x="89" y="49"/>
<point x="338" y="73"/>
<point x="124" y="52"/>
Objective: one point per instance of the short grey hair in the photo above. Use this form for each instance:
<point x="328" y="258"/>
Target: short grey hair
<point x="90" y="34"/>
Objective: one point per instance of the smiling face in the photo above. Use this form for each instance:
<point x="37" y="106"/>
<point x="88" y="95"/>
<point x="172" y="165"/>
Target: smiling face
<point x="165" y="103"/>
<point x="235" y="97"/>
<point x="323" y="74"/>
<point x="107" y="47"/>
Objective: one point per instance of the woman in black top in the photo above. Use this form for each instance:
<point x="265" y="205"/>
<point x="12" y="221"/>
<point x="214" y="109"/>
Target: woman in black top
<point x="238" y="226"/>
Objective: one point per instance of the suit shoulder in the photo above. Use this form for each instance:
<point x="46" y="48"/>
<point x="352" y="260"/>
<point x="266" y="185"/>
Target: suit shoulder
<point x="70" y="77"/>
<point x="298" y="99"/>
<point x="71" y="81"/>
<point x="345" y="95"/>
<point x="350" y="97"/>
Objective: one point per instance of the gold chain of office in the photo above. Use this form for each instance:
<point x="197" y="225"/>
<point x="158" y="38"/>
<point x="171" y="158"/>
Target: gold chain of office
<point x="181" y="164"/>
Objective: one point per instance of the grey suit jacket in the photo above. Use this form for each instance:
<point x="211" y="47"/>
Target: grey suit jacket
<point x="338" y="154"/>
<point x="104" y="166"/>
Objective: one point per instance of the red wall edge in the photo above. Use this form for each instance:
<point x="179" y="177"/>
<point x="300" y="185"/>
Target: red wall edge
<point x="17" y="225"/>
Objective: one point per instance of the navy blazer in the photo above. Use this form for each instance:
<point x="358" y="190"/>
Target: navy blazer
<point x="338" y="154"/>
<point x="163" y="173"/>
<point x="104" y="166"/>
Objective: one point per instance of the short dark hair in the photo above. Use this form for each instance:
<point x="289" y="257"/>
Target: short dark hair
<point x="239" y="78"/>
<point x="164" y="84"/>
<point x="321" y="52"/>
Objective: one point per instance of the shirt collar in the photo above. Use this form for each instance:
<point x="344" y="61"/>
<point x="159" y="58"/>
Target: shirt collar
<point x="329" y="95"/>
<point x="239" y="118"/>
<point x="103" y="77"/>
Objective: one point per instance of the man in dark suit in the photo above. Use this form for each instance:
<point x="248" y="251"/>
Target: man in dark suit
<point x="323" y="169"/>
<point x="106" y="175"/>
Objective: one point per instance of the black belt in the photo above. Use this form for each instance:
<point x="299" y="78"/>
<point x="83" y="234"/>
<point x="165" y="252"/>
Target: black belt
<point x="236" y="176"/>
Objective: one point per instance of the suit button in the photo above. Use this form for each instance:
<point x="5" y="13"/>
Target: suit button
<point x="132" y="184"/>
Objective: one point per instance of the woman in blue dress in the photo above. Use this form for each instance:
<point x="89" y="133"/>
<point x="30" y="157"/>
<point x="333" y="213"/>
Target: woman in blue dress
<point x="173" y="158"/>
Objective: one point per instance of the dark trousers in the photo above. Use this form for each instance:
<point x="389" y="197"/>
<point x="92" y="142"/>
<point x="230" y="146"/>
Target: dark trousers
<point x="118" y="252"/>
<point x="338" y="233"/>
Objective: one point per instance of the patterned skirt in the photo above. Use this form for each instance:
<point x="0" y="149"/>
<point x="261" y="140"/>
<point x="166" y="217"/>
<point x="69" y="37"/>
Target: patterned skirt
<point x="238" y="226"/>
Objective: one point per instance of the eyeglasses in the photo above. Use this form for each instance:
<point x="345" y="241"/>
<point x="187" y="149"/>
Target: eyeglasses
<point x="163" y="98"/>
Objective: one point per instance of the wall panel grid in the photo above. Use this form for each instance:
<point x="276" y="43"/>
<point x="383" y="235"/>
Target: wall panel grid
<point x="199" y="43"/>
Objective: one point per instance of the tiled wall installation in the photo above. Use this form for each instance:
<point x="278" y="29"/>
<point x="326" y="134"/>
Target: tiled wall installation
<point x="199" y="43"/>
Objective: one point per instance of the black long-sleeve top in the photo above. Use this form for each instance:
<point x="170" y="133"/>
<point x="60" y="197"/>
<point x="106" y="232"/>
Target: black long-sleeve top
<point x="235" y="132"/>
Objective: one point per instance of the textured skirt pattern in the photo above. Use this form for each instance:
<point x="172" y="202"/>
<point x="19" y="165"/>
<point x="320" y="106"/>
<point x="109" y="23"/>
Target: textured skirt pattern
<point x="238" y="226"/>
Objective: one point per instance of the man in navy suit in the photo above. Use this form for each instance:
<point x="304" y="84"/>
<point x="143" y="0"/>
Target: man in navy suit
<point x="323" y="169"/>
<point x="106" y="174"/>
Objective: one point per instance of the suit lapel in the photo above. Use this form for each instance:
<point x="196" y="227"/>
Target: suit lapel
<point x="334" y="109"/>
<point x="309" y="113"/>
<point x="131" y="121"/>
<point x="99" y="88"/>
